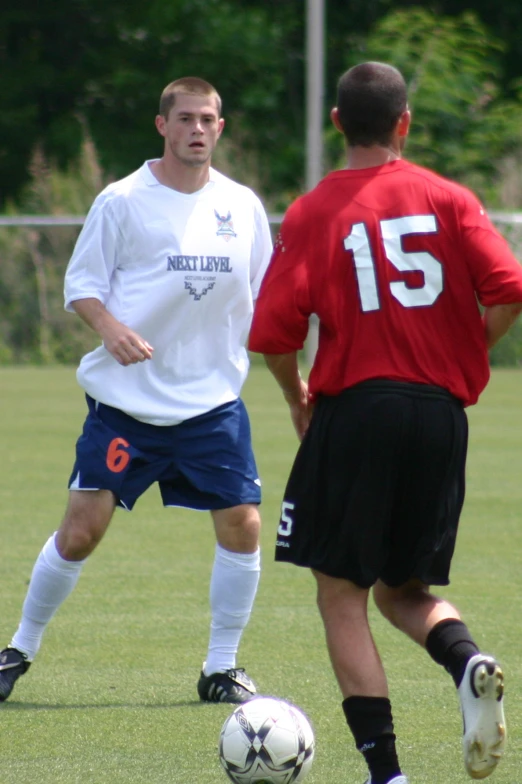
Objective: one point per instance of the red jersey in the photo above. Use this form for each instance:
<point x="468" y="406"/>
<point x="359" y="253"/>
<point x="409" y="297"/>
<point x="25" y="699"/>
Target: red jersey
<point x="394" y="260"/>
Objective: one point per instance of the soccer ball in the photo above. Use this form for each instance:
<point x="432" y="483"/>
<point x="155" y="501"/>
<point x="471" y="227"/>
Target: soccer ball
<point x="266" y="741"/>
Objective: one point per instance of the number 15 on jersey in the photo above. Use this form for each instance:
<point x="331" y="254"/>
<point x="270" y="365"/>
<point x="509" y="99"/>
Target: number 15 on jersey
<point x="392" y="233"/>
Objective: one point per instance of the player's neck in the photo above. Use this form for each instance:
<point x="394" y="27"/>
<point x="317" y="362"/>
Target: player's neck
<point x="367" y="157"/>
<point x="180" y="177"/>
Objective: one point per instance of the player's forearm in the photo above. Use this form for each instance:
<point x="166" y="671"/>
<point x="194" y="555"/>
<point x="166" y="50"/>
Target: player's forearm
<point x="285" y="370"/>
<point x="94" y="313"/>
<point x="498" y="319"/>
<point x="125" y="345"/>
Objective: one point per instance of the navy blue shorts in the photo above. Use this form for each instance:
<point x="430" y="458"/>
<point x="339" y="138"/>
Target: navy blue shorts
<point x="203" y="463"/>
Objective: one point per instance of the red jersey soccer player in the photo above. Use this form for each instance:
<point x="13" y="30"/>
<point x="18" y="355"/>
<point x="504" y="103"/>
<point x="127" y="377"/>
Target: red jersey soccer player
<point x="394" y="261"/>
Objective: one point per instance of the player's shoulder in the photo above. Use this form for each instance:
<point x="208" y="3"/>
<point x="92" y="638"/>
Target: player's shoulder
<point x="120" y="190"/>
<point x="307" y="212"/>
<point x="431" y="179"/>
<point x="233" y="188"/>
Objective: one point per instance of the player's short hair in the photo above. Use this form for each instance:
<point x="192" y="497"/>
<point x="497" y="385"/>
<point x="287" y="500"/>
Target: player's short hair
<point x="370" y="100"/>
<point x="188" y="85"/>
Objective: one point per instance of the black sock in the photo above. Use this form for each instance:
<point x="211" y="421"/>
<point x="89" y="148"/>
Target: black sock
<point x="449" y="643"/>
<point x="370" y="720"/>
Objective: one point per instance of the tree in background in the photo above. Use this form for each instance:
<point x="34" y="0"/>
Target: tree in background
<point x="34" y="326"/>
<point x="109" y="62"/>
<point x="462" y="126"/>
<point x="87" y="64"/>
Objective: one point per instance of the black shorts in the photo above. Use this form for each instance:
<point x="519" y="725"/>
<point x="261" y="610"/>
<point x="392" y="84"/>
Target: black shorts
<point x="377" y="486"/>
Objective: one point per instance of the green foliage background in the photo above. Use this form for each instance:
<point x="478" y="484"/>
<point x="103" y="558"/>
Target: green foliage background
<point x="82" y="87"/>
<point x="70" y="62"/>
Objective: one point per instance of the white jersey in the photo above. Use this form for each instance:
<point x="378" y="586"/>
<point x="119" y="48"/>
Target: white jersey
<point x="181" y="270"/>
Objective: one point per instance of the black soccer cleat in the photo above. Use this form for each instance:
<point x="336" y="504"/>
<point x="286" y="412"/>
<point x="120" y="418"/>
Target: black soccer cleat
<point x="13" y="663"/>
<point x="232" y="686"/>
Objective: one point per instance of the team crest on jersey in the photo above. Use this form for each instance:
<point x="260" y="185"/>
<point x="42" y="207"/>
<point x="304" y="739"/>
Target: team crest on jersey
<point x="198" y="294"/>
<point x="225" y="226"/>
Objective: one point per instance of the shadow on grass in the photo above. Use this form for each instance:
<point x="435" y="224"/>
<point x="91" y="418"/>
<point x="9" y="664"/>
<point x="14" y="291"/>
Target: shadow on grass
<point x="26" y="706"/>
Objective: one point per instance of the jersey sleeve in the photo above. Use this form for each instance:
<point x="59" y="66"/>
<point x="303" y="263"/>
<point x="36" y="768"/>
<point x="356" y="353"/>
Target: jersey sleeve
<point x="261" y="248"/>
<point x="496" y="273"/>
<point x="94" y="257"/>
<point x="280" y="323"/>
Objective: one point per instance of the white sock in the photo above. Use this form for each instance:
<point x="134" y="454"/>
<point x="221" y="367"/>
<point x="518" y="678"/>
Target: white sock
<point x="233" y="588"/>
<point x="52" y="580"/>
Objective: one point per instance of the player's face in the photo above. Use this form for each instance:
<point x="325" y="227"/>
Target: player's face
<point x="192" y="129"/>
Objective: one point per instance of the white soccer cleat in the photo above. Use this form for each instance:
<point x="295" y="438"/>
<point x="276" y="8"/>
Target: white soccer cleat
<point x="394" y="780"/>
<point x="481" y="695"/>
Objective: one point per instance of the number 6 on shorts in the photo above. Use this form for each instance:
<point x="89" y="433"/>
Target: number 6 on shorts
<point x="117" y="457"/>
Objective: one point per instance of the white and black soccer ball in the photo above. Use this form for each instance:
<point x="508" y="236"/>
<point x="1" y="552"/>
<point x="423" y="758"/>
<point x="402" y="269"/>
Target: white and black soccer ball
<point x="266" y="741"/>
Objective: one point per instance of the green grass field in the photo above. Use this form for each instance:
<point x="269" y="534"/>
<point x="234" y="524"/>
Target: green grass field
<point x="111" y="698"/>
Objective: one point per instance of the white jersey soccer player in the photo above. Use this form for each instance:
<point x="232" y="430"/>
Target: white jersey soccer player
<point x="148" y="252"/>
<point x="166" y="271"/>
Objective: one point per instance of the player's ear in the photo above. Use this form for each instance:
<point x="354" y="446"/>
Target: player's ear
<point x="334" y="116"/>
<point x="403" y="126"/>
<point x="160" y="123"/>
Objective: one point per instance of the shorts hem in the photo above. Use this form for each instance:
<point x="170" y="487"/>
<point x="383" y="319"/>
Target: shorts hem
<point x="212" y="507"/>
<point x="361" y="583"/>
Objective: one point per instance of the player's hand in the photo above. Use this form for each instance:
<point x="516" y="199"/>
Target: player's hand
<point x="126" y="346"/>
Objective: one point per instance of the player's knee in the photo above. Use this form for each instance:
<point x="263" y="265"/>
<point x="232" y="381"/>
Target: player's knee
<point x="86" y="519"/>
<point x="250" y="514"/>
<point x="238" y="529"/>
<point x="246" y="524"/>
<point x="78" y="537"/>
<point x="392" y="601"/>
<point x="77" y="542"/>
<point x="252" y="522"/>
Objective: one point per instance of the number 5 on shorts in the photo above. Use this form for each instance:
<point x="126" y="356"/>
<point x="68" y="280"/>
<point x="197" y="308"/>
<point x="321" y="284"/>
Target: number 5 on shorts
<point x="285" y="526"/>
